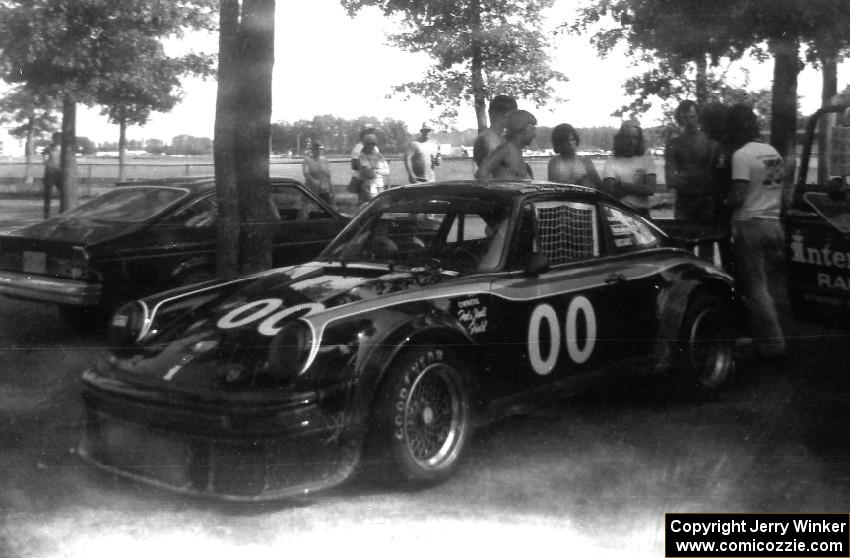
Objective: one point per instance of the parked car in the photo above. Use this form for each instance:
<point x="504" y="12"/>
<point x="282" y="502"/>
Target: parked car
<point x="144" y="237"/>
<point x="816" y="221"/>
<point x="439" y="307"/>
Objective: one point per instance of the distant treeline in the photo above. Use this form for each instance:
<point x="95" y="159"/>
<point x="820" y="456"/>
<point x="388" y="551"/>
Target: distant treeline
<point x="339" y="135"/>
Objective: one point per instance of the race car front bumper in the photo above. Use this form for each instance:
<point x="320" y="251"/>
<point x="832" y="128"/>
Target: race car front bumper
<point x="267" y="451"/>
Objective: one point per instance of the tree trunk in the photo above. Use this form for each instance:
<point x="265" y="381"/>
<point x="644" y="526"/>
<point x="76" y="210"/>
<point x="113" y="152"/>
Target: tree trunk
<point x="69" y="148"/>
<point x="29" y="151"/>
<point x="783" y="118"/>
<point x="702" y="81"/>
<point x="829" y="69"/>
<point x="477" y="68"/>
<point x="122" y="146"/>
<point x="783" y="125"/>
<point x="227" y="262"/>
<point x="829" y="88"/>
<point x="256" y="60"/>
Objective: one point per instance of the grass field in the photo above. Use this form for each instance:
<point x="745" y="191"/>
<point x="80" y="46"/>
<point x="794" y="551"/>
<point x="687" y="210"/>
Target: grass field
<point x="103" y="172"/>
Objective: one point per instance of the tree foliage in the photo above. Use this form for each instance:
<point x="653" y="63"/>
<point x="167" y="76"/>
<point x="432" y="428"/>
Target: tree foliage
<point x="148" y="81"/>
<point x="689" y="35"/>
<point x="479" y="48"/>
<point x="65" y="47"/>
<point x="33" y="116"/>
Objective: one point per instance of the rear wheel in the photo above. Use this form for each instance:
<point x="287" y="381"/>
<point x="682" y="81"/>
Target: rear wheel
<point x="707" y="342"/>
<point x="422" y="416"/>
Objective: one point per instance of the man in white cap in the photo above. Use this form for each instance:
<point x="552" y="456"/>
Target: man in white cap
<point x="422" y="157"/>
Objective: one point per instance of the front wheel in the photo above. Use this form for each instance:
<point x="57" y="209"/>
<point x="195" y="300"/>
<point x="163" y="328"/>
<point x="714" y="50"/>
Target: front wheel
<point x="422" y="416"/>
<point x="707" y="343"/>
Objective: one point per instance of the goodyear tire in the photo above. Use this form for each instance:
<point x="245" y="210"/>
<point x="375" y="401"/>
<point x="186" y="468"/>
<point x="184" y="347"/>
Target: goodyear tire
<point x="707" y="342"/>
<point x="422" y="417"/>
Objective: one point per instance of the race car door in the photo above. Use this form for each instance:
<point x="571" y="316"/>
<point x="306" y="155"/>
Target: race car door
<point x="568" y="319"/>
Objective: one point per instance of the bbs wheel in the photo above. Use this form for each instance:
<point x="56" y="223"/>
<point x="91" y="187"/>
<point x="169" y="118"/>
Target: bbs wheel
<point x="707" y="343"/>
<point x="422" y="416"/>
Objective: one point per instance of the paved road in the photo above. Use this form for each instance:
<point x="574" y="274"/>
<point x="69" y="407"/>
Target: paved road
<point x="592" y="476"/>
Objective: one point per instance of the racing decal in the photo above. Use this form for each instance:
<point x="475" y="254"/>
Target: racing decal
<point x="266" y="309"/>
<point x="817" y="256"/>
<point x="544" y="316"/>
<point x="471" y="315"/>
<point x="824" y="258"/>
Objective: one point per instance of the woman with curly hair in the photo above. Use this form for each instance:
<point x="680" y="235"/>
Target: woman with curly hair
<point x="567" y="167"/>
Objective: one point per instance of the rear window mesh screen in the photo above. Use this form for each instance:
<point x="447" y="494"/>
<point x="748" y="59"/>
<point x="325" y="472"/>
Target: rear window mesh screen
<point x="566" y="232"/>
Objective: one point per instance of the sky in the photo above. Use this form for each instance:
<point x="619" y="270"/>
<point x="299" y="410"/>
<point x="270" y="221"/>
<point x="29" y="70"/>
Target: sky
<point x="328" y="63"/>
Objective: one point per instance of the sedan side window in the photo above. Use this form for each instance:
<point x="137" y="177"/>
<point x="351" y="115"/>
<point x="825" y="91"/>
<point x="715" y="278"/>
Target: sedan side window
<point x="629" y="232"/>
<point x="566" y="231"/>
<point x="294" y="205"/>
<point x="202" y="213"/>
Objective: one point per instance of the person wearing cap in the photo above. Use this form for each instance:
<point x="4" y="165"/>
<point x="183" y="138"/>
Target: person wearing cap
<point x="629" y="175"/>
<point x="373" y="168"/>
<point x="355" y="186"/>
<point x="421" y="157"/>
<point x="317" y="172"/>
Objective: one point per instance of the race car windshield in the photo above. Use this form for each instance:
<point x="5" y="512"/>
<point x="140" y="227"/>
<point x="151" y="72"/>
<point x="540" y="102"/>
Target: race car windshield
<point x="461" y="235"/>
<point x="128" y="204"/>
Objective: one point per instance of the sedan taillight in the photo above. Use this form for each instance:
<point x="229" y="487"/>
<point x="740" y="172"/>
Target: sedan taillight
<point x="127" y="325"/>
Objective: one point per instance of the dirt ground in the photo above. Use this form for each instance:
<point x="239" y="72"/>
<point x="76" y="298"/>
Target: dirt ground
<point x="594" y="476"/>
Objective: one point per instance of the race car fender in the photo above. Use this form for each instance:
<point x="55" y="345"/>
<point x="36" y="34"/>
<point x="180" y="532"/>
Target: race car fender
<point x="672" y="305"/>
<point x="436" y="328"/>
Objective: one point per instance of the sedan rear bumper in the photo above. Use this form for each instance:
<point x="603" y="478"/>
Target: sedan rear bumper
<point x="49" y="289"/>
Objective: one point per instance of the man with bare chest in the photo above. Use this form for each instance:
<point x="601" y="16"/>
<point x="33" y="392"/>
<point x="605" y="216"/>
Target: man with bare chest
<point x="506" y="162"/>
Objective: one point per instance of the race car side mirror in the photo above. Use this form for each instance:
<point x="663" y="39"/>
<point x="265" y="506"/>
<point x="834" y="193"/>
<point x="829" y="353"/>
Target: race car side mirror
<point x="538" y="263"/>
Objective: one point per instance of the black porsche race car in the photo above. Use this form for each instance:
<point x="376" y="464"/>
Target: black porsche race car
<point x="439" y="307"/>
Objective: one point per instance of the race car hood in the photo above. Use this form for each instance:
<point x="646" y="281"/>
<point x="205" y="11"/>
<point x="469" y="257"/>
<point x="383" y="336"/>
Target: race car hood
<point x="75" y="231"/>
<point x="222" y="339"/>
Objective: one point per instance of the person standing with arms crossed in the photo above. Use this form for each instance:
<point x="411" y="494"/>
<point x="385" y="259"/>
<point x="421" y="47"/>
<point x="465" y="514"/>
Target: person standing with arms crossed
<point x="688" y="159"/>
<point x="757" y="177"/>
<point x="52" y="171"/>
<point x="421" y="157"/>
<point x="630" y="174"/>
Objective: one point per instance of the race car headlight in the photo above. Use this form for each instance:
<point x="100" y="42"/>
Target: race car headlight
<point x="125" y="327"/>
<point x="289" y="350"/>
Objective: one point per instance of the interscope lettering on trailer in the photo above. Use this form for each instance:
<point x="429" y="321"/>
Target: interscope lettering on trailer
<point x="757" y="535"/>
